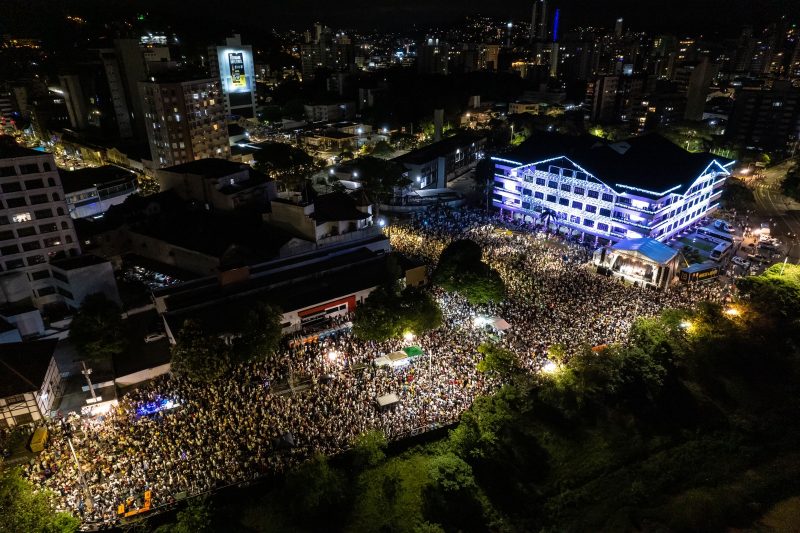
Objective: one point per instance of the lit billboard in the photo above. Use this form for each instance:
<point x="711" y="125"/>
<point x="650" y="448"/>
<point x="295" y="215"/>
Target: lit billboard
<point x="236" y="69"/>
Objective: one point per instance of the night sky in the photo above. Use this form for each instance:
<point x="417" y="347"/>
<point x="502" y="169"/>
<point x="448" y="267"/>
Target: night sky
<point x="678" y="16"/>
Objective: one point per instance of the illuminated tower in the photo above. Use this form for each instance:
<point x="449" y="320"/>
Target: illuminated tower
<point x="233" y="65"/>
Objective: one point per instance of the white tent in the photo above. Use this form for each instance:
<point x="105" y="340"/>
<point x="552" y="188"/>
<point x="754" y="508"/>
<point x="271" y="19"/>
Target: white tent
<point x="387" y="399"/>
<point x="393" y="359"/>
<point x="499" y="324"/>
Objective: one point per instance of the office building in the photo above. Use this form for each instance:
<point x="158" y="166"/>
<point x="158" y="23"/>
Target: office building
<point x="91" y="191"/>
<point x="326" y="50"/>
<point x="432" y="166"/>
<point x="642" y="187"/>
<point x="233" y="64"/>
<point x="35" y="226"/>
<point x="697" y="89"/>
<point x="766" y="118"/>
<point x="185" y="120"/>
<point x="433" y="57"/>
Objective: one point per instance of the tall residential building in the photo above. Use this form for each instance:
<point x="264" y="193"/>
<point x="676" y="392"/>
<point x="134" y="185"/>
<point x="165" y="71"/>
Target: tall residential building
<point x="326" y="50"/>
<point x="233" y="63"/>
<point x="697" y="89"/>
<point x="766" y="118"/>
<point x="35" y="226"/>
<point x="185" y="120"/>
<point x="432" y="57"/>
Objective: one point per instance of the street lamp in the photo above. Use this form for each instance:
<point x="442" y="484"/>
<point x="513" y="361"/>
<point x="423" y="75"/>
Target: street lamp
<point x="408" y="336"/>
<point x="333" y="355"/>
<point x="550" y="367"/>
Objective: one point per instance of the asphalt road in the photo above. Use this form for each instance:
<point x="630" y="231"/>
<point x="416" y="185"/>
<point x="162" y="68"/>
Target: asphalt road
<point x="772" y="204"/>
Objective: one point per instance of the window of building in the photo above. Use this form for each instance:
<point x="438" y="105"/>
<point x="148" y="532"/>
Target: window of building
<point x="10" y="249"/>
<point x="608" y="197"/>
<point x="565" y="187"/>
<point x="551" y="198"/>
<point x="43" y="213"/>
<point x="552" y="184"/>
<point x="23" y="419"/>
<point x="30" y="246"/>
<point x="6" y="235"/>
<point x="605" y="212"/>
<point x="52" y="241"/>
<point x="602" y="227"/>
<point x="16" y="202"/>
<point x="46" y="166"/>
<point x="591" y="208"/>
<point x="34" y="184"/>
<point x="539" y="181"/>
<point x="14" y="263"/>
<point x="7" y="171"/>
<point x="527" y="192"/>
<point x="48" y="228"/>
<point x="563" y="201"/>
<point x="538" y="195"/>
<point x="64" y="225"/>
<point x="46" y="291"/>
<point x="56" y="197"/>
<point x="51" y="182"/>
<point x="593" y="194"/>
<point x="15" y="399"/>
<point x="36" y="260"/>
<point x="38" y="199"/>
<point x="40" y="274"/>
<point x="577" y="205"/>
<point x="65" y="292"/>
<point x="579" y="190"/>
<point x="26" y="232"/>
<point x="589" y="223"/>
<point x="31" y="168"/>
<point x="13" y="186"/>
<point x="575" y="219"/>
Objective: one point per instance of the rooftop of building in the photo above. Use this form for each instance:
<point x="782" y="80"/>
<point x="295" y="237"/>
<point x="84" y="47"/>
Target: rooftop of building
<point x="9" y="149"/>
<point x="87" y="178"/>
<point x="650" y="248"/>
<point x="336" y="206"/>
<point x="650" y="162"/>
<point x="442" y="148"/>
<point x="218" y="309"/>
<point x="211" y="167"/>
<point x="74" y="263"/>
<point x="23" y="366"/>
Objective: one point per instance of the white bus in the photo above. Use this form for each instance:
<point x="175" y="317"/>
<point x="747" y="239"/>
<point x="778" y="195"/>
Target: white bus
<point x="721" y="252"/>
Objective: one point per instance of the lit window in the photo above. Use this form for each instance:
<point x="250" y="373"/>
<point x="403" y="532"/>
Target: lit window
<point x="21" y="217"/>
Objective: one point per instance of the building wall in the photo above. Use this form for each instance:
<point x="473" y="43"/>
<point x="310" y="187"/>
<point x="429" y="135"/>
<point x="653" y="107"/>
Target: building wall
<point x="170" y="254"/>
<point x="19" y="409"/>
<point x="185" y="121"/>
<point x="586" y="204"/>
<point x="34" y="221"/>
<point x="76" y="284"/>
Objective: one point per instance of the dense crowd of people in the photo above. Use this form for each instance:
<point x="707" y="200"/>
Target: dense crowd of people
<point x="175" y="436"/>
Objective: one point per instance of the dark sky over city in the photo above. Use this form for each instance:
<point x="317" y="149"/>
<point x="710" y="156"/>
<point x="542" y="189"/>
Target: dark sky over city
<point x="679" y="16"/>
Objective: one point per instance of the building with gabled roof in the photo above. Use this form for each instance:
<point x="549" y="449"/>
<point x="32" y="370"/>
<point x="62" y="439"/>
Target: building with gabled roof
<point x="641" y="187"/>
<point x="30" y="382"/>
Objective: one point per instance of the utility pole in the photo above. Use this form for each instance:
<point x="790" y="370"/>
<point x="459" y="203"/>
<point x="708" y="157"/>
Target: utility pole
<point x="88" y="372"/>
<point x="88" y="501"/>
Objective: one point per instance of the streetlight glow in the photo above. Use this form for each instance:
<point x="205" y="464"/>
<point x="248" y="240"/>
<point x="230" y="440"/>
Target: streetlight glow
<point x="550" y="367"/>
<point x="333" y="355"/>
<point x="408" y="336"/>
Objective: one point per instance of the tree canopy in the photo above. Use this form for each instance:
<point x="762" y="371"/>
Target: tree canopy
<point x="22" y="509"/>
<point x="460" y="269"/>
<point x="97" y="329"/>
<point x="387" y="314"/>
<point x="199" y="355"/>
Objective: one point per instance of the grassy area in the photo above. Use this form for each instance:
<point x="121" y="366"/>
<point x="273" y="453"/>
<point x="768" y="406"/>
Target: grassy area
<point x="700" y="244"/>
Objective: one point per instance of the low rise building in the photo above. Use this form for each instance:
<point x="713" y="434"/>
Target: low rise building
<point x="433" y="165"/>
<point x="218" y="184"/>
<point x="91" y="191"/>
<point x="30" y="382"/>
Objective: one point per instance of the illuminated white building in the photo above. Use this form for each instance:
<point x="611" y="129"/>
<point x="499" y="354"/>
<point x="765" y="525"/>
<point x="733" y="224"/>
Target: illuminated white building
<point x="233" y="62"/>
<point x="642" y="187"/>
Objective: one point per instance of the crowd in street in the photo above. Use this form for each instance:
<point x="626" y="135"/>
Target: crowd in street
<point x="318" y="397"/>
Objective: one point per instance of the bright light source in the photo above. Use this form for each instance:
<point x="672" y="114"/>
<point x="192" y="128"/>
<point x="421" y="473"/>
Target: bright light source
<point x="355" y="173"/>
<point x="686" y="324"/>
<point x="332" y="172"/>
<point x="333" y="355"/>
<point x="381" y="222"/>
<point x="480" y="321"/>
<point x="408" y="336"/>
<point x="550" y="367"/>
<point x="732" y="311"/>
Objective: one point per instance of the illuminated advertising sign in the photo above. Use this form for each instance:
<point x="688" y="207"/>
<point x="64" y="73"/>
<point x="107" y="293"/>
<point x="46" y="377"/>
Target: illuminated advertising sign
<point x="236" y="70"/>
<point x="238" y="76"/>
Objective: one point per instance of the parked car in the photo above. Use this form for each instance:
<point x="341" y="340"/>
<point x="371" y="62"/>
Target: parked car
<point x="741" y="262"/>
<point x="761" y="259"/>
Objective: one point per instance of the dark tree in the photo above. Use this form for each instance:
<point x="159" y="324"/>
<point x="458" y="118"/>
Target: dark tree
<point x="23" y="509"/>
<point x="386" y="315"/>
<point x="97" y="329"/>
<point x="460" y="269"/>
<point x="260" y="333"/>
<point x="198" y="355"/>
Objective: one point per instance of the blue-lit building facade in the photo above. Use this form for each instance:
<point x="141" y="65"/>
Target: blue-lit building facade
<point x="643" y="187"/>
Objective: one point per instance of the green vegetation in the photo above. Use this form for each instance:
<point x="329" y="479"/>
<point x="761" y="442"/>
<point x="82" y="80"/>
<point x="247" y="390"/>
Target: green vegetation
<point x="691" y="425"/>
<point x="791" y="183"/>
<point x="285" y="163"/>
<point x="97" y="329"/>
<point x="462" y="270"/>
<point x="737" y="195"/>
<point x="203" y="353"/>
<point x="22" y="509"/>
<point x="388" y="314"/>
